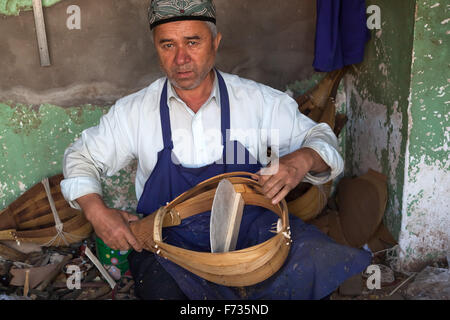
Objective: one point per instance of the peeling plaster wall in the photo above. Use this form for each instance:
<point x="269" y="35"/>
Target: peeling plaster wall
<point x="13" y="7"/>
<point x="32" y="144"/>
<point x="377" y="97"/>
<point x="426" y="200"/>
<point x="398" y="111"/>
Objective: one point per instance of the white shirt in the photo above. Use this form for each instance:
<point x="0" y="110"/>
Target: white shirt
<point x="259" y="116"/>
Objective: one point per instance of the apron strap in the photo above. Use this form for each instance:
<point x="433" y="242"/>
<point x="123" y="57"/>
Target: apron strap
<point x="224" y="115"/>
<point x="165" y="119"/>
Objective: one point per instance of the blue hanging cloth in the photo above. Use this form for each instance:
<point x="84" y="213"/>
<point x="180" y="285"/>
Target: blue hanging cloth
<point x="341" y="34"/>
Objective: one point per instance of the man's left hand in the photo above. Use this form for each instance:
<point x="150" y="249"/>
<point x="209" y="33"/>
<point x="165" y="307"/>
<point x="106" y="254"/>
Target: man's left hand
<point x="289" y="172"/>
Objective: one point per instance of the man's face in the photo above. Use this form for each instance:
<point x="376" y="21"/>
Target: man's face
<point x="186" y="51"/>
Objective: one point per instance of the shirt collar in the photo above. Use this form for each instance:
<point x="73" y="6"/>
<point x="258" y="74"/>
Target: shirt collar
<point x="215" y="93"/>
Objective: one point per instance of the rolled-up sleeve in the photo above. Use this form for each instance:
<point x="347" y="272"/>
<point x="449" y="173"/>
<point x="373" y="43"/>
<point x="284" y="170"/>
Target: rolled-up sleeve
<point x="322" y="139"/>
<point x="103" y="149"/>
<point x="298" y="131"/>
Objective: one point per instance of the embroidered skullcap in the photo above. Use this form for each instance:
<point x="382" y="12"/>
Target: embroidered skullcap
<point x="163" y="11"/>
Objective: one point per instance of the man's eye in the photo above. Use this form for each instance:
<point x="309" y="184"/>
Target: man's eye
<point x="192" y="43"/>
<point x="168" y="45"/>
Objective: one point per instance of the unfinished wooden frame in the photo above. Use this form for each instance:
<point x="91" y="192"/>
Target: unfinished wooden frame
<point x="236" y="268"/>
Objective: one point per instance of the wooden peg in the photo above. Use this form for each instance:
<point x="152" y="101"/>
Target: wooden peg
<point x="40" y="33"/>
<point x="26" y="286"/>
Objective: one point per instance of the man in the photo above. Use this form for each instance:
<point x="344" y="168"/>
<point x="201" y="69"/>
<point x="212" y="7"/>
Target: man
<point x="181" y="129"/>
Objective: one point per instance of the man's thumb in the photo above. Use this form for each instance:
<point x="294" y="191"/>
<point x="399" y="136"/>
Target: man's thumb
<point x="128" y="217"/>
<point x="132" y="217"/>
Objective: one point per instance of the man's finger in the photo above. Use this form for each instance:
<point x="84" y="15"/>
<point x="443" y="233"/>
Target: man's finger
<point x="275" y="189"/>
<point x="263" y="180"/>
<point x="132" y="217"/>
<point x="127" y="217"/>
<point x="133" y="241"/>
<point x="123" y="244"/>
<point x="113" y="244"/>
<point x="283" y="193"/>
<point x="270" y="183"/>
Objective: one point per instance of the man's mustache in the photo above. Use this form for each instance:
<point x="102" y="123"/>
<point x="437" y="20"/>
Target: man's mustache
<point x="183" y="70"/>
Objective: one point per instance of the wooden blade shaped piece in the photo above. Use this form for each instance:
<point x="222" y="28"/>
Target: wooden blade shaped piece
<point x="226" y="216"/>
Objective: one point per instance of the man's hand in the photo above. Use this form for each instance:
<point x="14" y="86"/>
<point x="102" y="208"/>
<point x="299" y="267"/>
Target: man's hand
<point x="291" y="170"/>
<point x="111" y="225"/>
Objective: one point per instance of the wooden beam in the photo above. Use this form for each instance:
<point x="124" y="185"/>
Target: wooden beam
<point x="40" y="33"/>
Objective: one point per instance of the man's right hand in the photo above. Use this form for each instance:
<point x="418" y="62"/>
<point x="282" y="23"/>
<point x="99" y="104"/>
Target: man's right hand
<point x="111" y="225"/>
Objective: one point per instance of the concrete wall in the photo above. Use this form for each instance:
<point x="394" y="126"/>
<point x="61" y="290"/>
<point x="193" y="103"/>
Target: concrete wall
<point x="112" y="54"/>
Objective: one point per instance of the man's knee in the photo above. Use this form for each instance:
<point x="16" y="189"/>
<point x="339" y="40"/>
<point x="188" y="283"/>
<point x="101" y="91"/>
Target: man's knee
<point x="151" y="280"/>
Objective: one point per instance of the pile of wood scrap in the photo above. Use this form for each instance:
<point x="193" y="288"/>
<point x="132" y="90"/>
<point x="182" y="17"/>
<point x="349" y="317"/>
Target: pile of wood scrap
<point x="33" y="272"/>
<point x="42" y="241"/>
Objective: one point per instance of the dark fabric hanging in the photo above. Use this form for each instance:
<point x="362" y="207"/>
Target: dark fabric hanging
<point x="341" y="34"/>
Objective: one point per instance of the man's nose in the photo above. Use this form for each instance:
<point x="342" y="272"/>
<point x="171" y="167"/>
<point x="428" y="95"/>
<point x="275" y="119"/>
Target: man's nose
<point x="182" y="56"/>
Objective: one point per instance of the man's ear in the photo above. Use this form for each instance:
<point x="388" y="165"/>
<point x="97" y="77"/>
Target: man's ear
<point x="217" y="41"/>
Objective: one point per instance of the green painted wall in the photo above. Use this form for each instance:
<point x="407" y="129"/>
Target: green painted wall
<point x="32" y="144"/>
<point x="378" y="91"/>
<point x="13" y="7"/>
<point x="429" y="87"/>
<point x="33" y="140"/>
<point x="426" y="220"/>
<point x="399" y="112"/>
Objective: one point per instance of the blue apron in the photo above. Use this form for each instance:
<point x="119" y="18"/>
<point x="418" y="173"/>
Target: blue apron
<point x="315" y="266"/>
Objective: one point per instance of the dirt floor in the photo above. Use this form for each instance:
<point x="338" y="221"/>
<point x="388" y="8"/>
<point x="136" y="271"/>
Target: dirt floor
<point x="394" y="285"/>
<point x="399" y="289"/>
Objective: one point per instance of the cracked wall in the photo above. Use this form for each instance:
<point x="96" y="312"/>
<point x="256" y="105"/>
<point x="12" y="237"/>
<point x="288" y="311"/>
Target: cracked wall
<point x="377" y="95"/>
<point x="398" y="111"/>
<point x="425" y="229"/>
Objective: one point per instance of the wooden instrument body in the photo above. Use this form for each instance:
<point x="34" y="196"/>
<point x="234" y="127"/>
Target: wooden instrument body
<point x="235" y="268"/>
